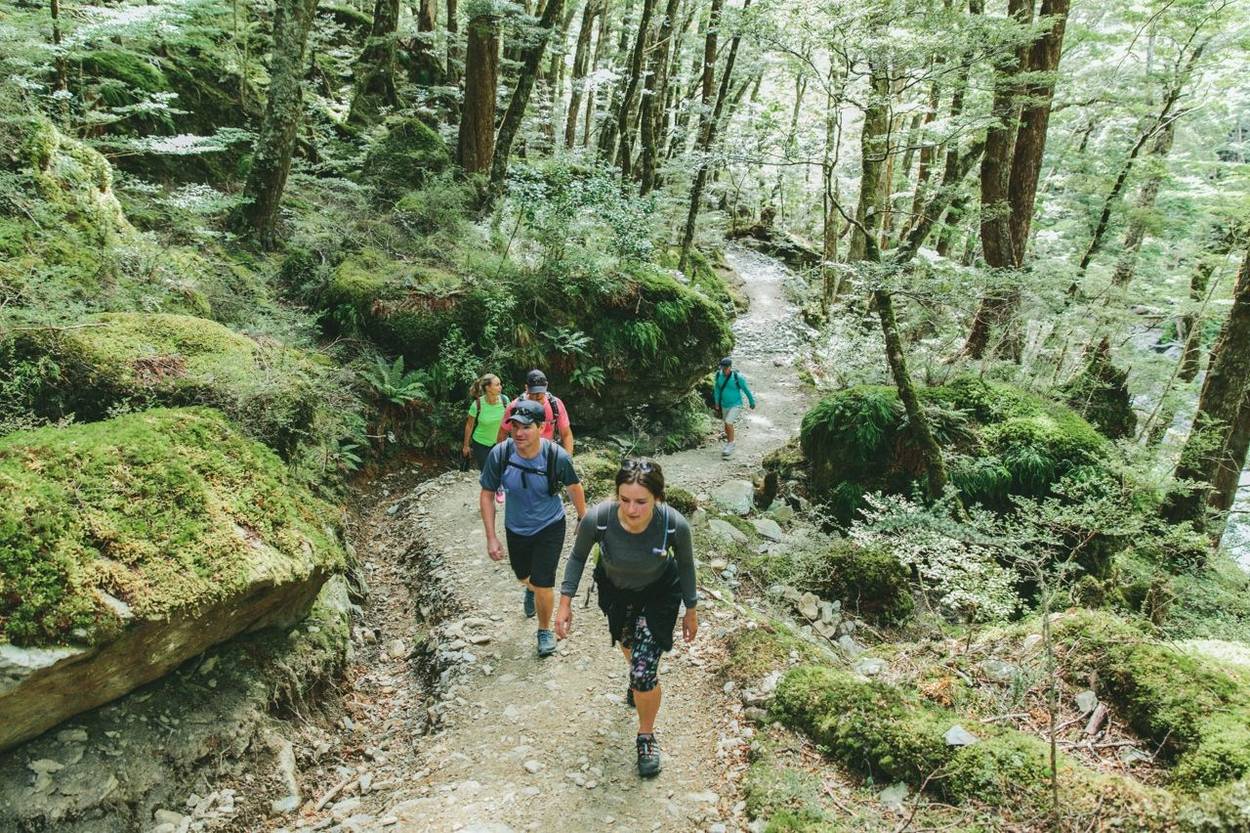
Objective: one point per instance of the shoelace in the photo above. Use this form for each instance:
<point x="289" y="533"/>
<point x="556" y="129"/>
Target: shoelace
<point x="647" y="746"/>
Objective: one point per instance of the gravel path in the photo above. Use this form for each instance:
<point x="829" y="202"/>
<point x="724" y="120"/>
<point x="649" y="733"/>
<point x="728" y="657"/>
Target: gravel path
<point x="515" y="743"/>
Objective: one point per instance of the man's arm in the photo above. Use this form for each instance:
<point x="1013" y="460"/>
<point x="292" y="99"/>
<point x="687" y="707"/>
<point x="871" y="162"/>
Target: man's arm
<point x="578" y="494"/>
<point x="566" y="438"/>
<point x="486" y="505"/>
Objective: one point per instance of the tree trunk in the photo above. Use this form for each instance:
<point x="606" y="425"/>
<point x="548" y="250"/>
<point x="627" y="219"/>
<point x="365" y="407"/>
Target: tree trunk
<point x="928" y="153"/>
<point x="271" y="159"/>
<point x="605" y="35"/>
<point x="1126" y="264"/>
<point x="375" y="69"/>
<point x="476" y="145"/>
<point x="609" y="131"/>
<point x="1013" y="156"/>
<point x="707" y="138"/>
<point x="581" y="60"/>
<point x="917" y="422"/>
<point x="653" y="98"/>
<point x="874" y="148"/>
<point x="1232" y="463"/>
<point x="1223" y="392"/>
<point x="426" y="69"/>
<point x="626" y="118"/>
<point x="709" y="54"/>
<point x="455" y="61"/>
<point x="1117" y="187"/>
<point x="531" y="57"/>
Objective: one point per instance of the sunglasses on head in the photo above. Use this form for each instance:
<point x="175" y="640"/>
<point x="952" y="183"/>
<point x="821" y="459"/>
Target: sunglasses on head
<point x="636" y="464"/>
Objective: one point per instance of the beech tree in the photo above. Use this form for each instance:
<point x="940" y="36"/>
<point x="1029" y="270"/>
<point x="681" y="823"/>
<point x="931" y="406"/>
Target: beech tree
<point x="476" y="145"/>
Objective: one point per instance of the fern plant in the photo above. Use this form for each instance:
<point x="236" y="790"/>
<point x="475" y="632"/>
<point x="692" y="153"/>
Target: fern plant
<point x="391" y="384"/>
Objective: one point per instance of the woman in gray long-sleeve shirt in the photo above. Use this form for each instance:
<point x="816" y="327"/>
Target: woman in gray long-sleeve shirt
<point x="645" y="573"/>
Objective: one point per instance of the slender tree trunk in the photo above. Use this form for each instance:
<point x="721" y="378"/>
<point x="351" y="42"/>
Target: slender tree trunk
<point x="609" y="130"/>
<point x="626" y="118"/>
<point x="1159" y="123"/>
<point x="917" y="421"/>
<point x="829" y="197"/>
<point x="476" y="145"/>
<point x="375" y="69"/>
<point x="601" y="41"/>
<point x="271" y="159"/>
<point x="652" y="106"/>
<point x="1223" y="392"/>
<point x="1126" y="264"/>
<point x="707" y="139"/>
<point x="455" y="61"/>
<point x="1190" y="324"/>
<point x="791" y="143"/>
<point x="531" y="57"/>
<point x="666" y="123"/>
<point x="581" y="60"/>
<point x="874" y="148"/>
<point x="928" y="152"/>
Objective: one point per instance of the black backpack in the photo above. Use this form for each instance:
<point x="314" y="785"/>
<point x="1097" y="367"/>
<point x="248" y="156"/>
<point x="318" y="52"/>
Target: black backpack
<point x="551" y="460"/>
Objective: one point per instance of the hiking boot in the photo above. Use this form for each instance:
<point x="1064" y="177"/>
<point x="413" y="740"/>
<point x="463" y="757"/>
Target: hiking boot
<point x="546" y="643"/>
<point x="629" y="697"/>
<point x="727" y="451"/>
<point x="648" y="756"/>
<point x="527" y="603"/>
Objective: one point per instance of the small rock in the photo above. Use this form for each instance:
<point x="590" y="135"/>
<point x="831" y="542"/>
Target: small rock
<point x="1131" y="755"/>
<point x="283" y="806"/>
<point x="737" y="496"/>
<point x="72" y="736"/>
<point x="768" y="529"/>
<point x="1031" y="642"/>
<point x="869" y="666"/>
<point x="849" y="646"/>
<point x="892" y="797"/>
<point x="959" y="736"/>
<point x="719" y="827"/>
<point x="345" y="808"/>
<point x="395" y="649"/>
<point x="706" y="797"/>
<point x="168" y="817"/>
<point x="1086" y="701"/>
<point x="726" y="532"/>
<point x="809" y="606"/>
<point x="533" y="767"/>
<point x="998" y="671"/>
<point x="43" y="766"/>
<point x="718" y="564"/>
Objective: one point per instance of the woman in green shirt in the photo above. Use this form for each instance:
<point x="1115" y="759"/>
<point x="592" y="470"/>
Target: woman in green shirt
<point x="485" y="415"/>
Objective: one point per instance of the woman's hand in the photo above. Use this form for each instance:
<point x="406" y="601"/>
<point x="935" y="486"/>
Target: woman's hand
<point x="464" y="450"/>
<point x="564" y="618"/>
<point x="689" y="624"/>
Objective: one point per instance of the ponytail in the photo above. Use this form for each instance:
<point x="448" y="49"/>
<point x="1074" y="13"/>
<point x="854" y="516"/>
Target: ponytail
<point x="480" y="384"/>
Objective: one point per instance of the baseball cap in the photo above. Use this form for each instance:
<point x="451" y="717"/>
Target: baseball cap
<point x="726" y="362"/>
<point x="536" y="381"/>
<point x="528" y="413"/>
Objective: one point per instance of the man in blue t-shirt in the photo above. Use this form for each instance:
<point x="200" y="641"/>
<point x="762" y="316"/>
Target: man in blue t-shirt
<point x="530" y="470"/>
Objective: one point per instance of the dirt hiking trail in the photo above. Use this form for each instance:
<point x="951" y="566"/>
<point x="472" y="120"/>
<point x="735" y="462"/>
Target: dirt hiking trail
<point x="514" y="743"/>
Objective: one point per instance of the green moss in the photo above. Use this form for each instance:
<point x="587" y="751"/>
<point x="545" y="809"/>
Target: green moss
<point x="754" y="652"/>
<point x="1223" y="810"/>
<point x="1001" y="441"/>
<point x="598" y="469"/>
<point x="168" y="511"/>
<point x="1196" y="711"/>
<point x="409" y="154"/>
<point x="888" y="733"/>
<point x="134" y="359"/>
<point x="867" y="580"/>
<point x="789" y="799"/>
<point x="681" y="500"/>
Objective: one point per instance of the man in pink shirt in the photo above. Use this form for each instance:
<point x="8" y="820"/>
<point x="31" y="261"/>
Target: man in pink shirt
<point x="557" y="414"/>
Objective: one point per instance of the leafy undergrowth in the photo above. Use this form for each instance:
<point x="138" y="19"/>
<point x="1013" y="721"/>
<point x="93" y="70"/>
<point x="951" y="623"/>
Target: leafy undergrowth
<point x="165" y="510"/>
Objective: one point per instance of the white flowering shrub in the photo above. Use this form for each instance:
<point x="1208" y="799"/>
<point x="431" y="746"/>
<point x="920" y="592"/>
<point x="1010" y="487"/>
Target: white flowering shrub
<point x="958" y="571"/>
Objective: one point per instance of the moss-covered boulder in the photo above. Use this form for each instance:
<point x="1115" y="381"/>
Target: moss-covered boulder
<point x="891" y="734"/>
<point x="641" y="329"/>
<point x="1100" y="394"/>
<point x="869" y="581"/>
<point x="1196" y="710"/>
<point x="406" y="157"/>
<point x="138" y="359"/>
<point x="129" y="545"/>
<point x="1000" y="442"/>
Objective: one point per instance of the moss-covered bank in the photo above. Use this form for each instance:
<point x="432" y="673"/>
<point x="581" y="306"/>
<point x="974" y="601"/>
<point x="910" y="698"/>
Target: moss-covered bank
<point x="1001" y="441"/>
<point x="140" y="359"/>
<point x="161" y="511"/>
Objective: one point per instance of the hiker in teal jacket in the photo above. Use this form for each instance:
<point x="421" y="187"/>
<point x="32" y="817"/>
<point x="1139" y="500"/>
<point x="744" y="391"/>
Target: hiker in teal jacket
<point x="727" y="393"/>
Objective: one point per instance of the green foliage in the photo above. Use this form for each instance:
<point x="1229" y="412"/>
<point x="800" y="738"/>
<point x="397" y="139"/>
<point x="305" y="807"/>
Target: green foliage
<point x="681" y="500"/>
<point x="868" y="580"/>
<point x="159" y="509"/>
<point x="1002" y="442"/>
<point x="889" y="734"/>
<point x="390" y="383"/>
<point x="755" y="652"/>
<point x="1197" y="712"/>
<point x="130" y="360"/>
<point x="406" y="156"/>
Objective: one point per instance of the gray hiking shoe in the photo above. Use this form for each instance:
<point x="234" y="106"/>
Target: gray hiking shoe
<point x="528" y="603"/>
<point x="648" y="756"/>
<point x="546" y="643"/>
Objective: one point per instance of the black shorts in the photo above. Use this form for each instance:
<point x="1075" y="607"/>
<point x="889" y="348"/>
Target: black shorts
<point x="479" y="452"/>
<point x="535" y="556"/>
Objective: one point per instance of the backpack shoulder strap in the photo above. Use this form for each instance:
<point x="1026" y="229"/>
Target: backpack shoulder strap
<point x="601" y="523"/>
<point x="553" y="463"/>
<point x="738" y="381"/>
<point x="555" y="414"/>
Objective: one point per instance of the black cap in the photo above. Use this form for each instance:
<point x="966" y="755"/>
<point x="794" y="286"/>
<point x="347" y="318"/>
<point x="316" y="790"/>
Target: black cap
<point x="726" y="362"/>
<point x="536" y="381"/>
<point x="527" y="412"/>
